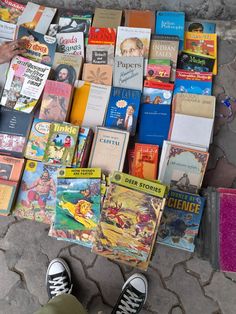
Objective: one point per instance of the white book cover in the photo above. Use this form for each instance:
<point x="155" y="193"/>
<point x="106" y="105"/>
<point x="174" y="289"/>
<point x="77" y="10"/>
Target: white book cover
<point x="71" y="43"/>
<point x="7" y="30"/>
<point x="36" y="17"/>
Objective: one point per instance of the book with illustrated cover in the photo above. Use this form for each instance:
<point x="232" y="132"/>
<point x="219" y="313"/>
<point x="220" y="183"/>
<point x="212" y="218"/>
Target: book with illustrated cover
<point x="83" y="148"/>
<point x="97" y="73"/>
<point x="36" y="17"/>
<point x="107" y="18"/>
<point x="100" y="54"/>
<point x="195" y="62"/>
<point x="123" y="109"/>
<point x="56" y="101"/>
<point x="78" y="199"/>
<point x="39" y="47"/>
<point x="102" y="36"/>
<point x="180" y="220"/>
<point x="3" y="70"/>
<point x="7" y="196"/>
<point x="109" y="149"/>
<point x="24" y="84"/>
<point x="158" y="73"/>
<point x="52" y="30"/>
<point x="10" y="11"/>
<point x="11" y="168"/>
<point x="130" y="216"/>
<point x="61" y="144"/>
<point x="128" y="72"/>
<point x="71" y="43"/>
<point x="200" y="26"/>
<point x="140" y="18"/>
<point x="37" y="193"/>
<point x="38" y="138"/>
<point x="157" y="93"/>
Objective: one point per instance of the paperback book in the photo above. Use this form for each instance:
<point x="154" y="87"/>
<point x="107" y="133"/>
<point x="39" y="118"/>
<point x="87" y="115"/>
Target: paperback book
<point x="140" y="18"/>
<point x="11" y="168"/>
<point x="158" y="73"/>
<point x="10" y="11"/>
<point x="157" y="93"/>
<point x="100" y="54"/>
<point x="200" y="26"/>
<point x="97" y="73"/>
<point x="195" y="62"/>
<point x="71" y="43"/>
<point x="7" y="196"/>
<point x="7" y="30"/>
<point x="102" y="36"/>
<point x="107" y="18"/>
<point x="83" y="148"/>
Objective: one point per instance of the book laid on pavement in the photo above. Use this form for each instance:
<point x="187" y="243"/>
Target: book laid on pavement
<point x="140" y="18"/>
<point x="71" y="43"/>
<point x="11" y="168"/>
<point x="7" y="196"/>
<point x="195" y="62"/>
<point x="100" y="54"/>
<point x="97" y="73"/>
<point x="107" y="18"/>
<point x="102" y="36"/>
<point x="200" y="26"/>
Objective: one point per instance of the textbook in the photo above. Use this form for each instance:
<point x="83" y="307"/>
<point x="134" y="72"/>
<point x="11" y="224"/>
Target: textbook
<point x="11" y="168"/>
<point x="100" y="54"/>
<point x="97" y="73"/>
<point x="7" y="196"/>
<point x="71" y="43"/>
<point x="107" y="18"/>
<point x="129" y="220"/>
<point x="102" y="36"/>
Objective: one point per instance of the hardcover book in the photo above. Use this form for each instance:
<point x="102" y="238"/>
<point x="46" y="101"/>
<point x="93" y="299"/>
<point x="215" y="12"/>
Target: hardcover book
<point x="89" y="104"/>
<point x="56" y="101"/>
<point x="140" y="18"/>
<point x="39" y="47"/>
<point x="180" y="220"/>
<point x="123" y="109"/>
<point x="100" y="54"/>
<point x="200" y="26"/>
<point x="37" y="139"/>
<point x="107" y="18"/>
<point x="14" y="130"/>
<point x="129" y="220"/>
<point x="24" y="84"/>
<point x="11" y="168"/>
<point x="102" y="36"/>
<point x="97" y="73"/>
<point x="7" y="196"/>
<point x="60" y="147"/>
<point x="128" y="72"/>
<point x="37" y="194"/>
<point x="195" y="62"/>
<point x="71" y="43"/>
<point x="109" y="149"/>
<point x="158" y="73"/>
<point x="36" y="17"/>
<point x="10" y="11"/>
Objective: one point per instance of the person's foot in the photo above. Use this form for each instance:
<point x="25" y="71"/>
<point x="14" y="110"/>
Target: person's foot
<point x="58" y="278"/>
<point x="133" y="295"/>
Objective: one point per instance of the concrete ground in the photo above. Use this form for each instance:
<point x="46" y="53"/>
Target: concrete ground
<point x="179" y="282"/>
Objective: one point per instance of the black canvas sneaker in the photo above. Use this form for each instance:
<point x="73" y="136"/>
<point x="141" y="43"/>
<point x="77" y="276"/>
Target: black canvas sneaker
<point x="133" y="295"/>
<point x="58" y="278"/>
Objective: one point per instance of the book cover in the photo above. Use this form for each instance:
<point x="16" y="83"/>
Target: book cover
<point x="85" y="139"/>
<point x="194" y="62"/>
<point x="24" y="84"/>
<point x="157" y="93"/>
<point x="39" y="47"/>
<point x="123" y="109"/>
<point x="3" y="70"/>
<point x="71" y="43"/>
<point x="52" y="30"/>
<point x="36" y="17"/>
<point x="56" y="101"/>
<point x="171" y="23"/>
<point x="14" y="130"/>
<point x="159" y="61"/>
<point x="129" y="219"/>
<point x="200" y="26"/>
<point x="108" y="150"/>
<point x="61" y="144"/>
<point x="158" y="73"/>
<point x="37" y="193"/>
<point x="7" y="30"/>
<point x="180" y="220"/>
<point x="140" y="18"/>
<point x="7" y="196"/>
<point x="11" y="168"/>
<point x="102" y="36"/>
<point x="100" y="54"/>
<point x="193" y="82"/>
<point x="89" y="104"/>
<point x="182" y="168"/>
<point x="38" y="138"/>
<point x="97" y="73"/>
<point x="107" y="18"/>
<point x="67" y="68"/>
<point x="128" y="72"/>
<point x="145" y="161"/>
<point x="10" y="11"/>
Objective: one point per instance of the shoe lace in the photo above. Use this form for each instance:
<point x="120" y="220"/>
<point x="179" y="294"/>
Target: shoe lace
<point x="129" y="302"/>
<point x="58" y="285"/>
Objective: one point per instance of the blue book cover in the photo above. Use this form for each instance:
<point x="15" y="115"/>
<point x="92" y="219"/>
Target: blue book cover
<point x="200" y="27"/>
<point x="123" y="109"/>
<point x="171" y="23"/>
<point x="154" y="123"/>
<point x="180" y="220"/>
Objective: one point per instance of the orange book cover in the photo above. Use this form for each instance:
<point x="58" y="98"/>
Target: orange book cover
<point x="145" y="162"/>
<point x="97" y="73"/>
<point x="11" y="168"/>
<point x="142" y="19"/>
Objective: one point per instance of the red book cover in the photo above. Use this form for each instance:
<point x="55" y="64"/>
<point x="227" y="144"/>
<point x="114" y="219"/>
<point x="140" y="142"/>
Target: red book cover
<point x="159" y="85"/>
<point x="193" y="75"/>
<point x="158" y="73"/>
<point x="102" y="36"/>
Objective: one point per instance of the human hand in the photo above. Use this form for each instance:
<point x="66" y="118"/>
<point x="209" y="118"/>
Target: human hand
<point x="8" y="50"/>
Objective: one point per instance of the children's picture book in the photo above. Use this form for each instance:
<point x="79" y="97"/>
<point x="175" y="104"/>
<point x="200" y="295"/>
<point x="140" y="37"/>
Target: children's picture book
<point x="180" y="220"/>
<point x="158" y="73"/>
<point x="140" y="18"/>
<point x="97" y="73"/>
<point x="193" y="82"/>
<point x="130" y="216"/>
<point x="83" y="148"/>
<point x="56" y="101"/>
<point x="14" y="131"/>
<point x="10" y="11"/>
<point x="200" y="26"/>
<point x="182" y="167"/>
<point x="60" y="147"/>
<point x="36" y="17"/>
<point x="100" y="54"/>
<point x="128" y="72"/>
<point x="71" y="43"/>
<point x="38" y="138"/>
<point x="67" y="68"/>
<point x="7" y="196"/>
<point x="107" y="18"/>
<point x="109" y="150"/>
<point x="195" y="62"/>
<point x="89" y="104"/>
<point x="39" y="47"/>
<point x="11" y="168"/>
<point x="24" y="84"/>
<point x="145" y="161"/>
<point x="157" y="93"/>
<point x="37" y="193"/>
<point x="102" y="36"/>
<point x="123" y="109"/>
